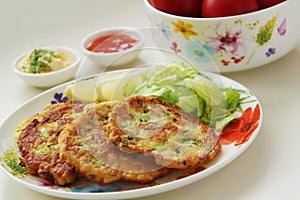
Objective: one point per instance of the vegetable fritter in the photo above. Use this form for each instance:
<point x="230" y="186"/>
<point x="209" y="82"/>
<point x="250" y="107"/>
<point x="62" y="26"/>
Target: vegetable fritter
<point x="37" y="138"/>
<point x="84" y="145"/>
<point x="156" y="128"/>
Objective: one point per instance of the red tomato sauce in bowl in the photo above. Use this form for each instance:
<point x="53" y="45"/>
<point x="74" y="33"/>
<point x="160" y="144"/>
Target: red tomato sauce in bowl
<point x="113" y="46"/>
<point x="112" y="43"/>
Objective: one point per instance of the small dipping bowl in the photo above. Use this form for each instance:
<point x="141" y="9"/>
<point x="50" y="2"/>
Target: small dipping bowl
<point x="125" y="54"/>
<point x="53" y="78"/>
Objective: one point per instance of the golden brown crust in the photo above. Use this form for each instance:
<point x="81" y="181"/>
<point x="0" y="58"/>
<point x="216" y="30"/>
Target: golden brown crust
<point x="58" y="146"/>
<point x="212" y="154"/>
<point x="153" y="127"/>
<point x="37" y="140"/>
<point x="84" y="145"/>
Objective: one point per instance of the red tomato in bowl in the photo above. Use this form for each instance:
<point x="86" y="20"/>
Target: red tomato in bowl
<point x="187" y="8"/>
<point x="268" y="3"/>
<point x="223" y="8"/>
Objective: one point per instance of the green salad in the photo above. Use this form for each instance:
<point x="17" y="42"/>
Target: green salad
<point x="175" y="83"/>
<point x="189" y="89"/>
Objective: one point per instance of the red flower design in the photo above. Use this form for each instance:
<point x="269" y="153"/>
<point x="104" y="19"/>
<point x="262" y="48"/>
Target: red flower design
<point x="240" y="131"/>
<point x="237" y="60"/>
<point x="225" y="62"/>
<point x="175" y="48"/>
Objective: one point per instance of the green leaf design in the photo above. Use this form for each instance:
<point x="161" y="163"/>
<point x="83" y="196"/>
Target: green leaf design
<point x="12" y="160"/>
<point x="265" y="33"/>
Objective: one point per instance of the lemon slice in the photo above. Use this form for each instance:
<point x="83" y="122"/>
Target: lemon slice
<point x="80" y="91"/>
<point x="113" y="89"/>
<point x="106" y="87"/>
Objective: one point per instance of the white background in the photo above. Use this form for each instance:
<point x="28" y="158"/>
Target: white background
<point x="268" y="169"/>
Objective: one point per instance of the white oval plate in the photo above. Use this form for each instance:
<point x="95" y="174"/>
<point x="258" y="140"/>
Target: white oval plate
<point x="119" y="190"/>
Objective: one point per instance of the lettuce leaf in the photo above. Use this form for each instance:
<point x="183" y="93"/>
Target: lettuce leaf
<point x="191" y="90"/>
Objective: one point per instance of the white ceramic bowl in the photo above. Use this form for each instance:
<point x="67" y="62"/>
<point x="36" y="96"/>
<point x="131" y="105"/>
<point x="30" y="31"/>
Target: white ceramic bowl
<point x="114" y="58"/>
<point x="50" y="79"/>
<point x="227" y="44"/>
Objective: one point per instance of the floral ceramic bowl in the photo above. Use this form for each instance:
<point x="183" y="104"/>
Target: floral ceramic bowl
<point x="227" y="44"/>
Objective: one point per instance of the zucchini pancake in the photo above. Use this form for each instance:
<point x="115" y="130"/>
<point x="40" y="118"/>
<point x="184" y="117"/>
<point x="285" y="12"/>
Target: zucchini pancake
<point x="37" y="138"/>
<point x="138" y="139"/>
<point x="84" y="145"/>
<point x="155" y="128"/>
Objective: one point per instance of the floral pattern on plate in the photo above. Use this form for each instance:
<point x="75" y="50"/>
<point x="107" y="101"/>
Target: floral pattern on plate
<point x="249" y="123"/>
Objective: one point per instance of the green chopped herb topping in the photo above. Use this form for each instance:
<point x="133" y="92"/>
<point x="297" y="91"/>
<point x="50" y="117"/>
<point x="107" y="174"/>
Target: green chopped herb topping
<point x="40" y="59"/>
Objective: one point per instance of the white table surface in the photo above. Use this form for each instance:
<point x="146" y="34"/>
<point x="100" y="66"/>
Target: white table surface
<point x="268" y="169"/>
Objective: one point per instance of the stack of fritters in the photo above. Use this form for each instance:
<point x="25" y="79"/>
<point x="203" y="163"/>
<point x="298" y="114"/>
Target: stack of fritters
<point x="38" y="142"/>
<point x="84" y="145"/>
<point x="138" y="139"/>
